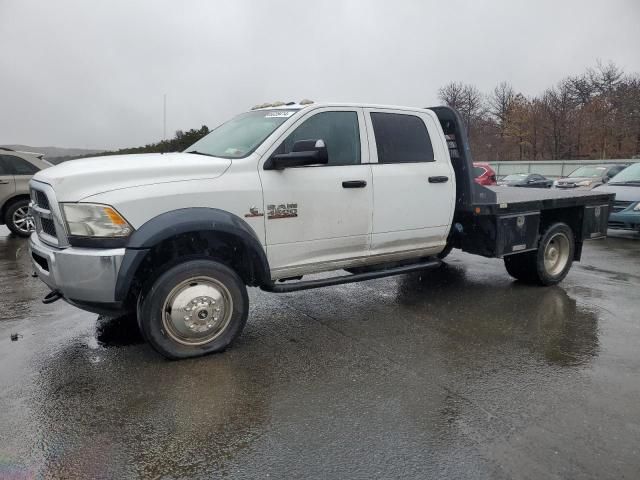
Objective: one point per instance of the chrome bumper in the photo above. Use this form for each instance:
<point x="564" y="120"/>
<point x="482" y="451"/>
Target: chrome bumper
<point x="79" y="274"/>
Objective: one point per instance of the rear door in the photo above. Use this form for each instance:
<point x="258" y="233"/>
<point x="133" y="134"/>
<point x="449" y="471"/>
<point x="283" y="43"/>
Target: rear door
<point x="413" y="183"/>
<point x="7" y="182"/>
<point x="22" y="171"/>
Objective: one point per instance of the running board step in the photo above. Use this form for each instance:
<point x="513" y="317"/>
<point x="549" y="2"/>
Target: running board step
<point x="359" y="277"/>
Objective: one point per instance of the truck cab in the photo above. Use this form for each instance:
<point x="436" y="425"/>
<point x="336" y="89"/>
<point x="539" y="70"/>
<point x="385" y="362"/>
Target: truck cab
<point x="274" y="195"/>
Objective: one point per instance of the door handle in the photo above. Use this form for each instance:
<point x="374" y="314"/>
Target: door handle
<point x="438" y="179"/>
<point x="354" y="184"/>
<point x="4" y="182"/>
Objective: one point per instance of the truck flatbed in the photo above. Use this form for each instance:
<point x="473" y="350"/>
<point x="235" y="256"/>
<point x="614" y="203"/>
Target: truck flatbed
<point x="520" y="200"/>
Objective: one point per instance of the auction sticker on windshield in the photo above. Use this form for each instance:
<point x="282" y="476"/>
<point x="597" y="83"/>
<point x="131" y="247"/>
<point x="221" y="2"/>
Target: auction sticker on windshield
<point x="286" y="113"/>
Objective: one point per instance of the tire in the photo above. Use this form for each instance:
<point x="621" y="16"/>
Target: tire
<point x="17" y="219"/>
<point x="211" y="291"/>
<point x="550" y="263"/>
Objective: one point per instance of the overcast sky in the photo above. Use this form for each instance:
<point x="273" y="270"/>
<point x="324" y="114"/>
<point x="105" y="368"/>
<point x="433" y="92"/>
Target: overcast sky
<point x="93" y="73"/>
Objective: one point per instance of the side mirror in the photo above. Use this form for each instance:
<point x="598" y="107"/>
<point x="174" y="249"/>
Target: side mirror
<point x="605" y="179"/>
<point x="304" y="152"/>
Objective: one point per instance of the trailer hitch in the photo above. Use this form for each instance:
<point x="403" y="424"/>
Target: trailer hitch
<point x="52" y="296"/>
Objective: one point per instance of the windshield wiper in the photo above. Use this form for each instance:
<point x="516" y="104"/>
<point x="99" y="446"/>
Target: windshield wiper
<point x="200" y="153"/>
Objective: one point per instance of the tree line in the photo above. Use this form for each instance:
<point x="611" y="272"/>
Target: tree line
<point x="594" y="115"/>
<point x="180" y="141"/>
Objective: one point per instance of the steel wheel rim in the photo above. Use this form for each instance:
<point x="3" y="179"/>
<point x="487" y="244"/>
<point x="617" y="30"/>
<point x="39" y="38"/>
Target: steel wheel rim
<point x="556" y="254"/>
<point x="23" y="221"/>
<point x="197" y="311"/>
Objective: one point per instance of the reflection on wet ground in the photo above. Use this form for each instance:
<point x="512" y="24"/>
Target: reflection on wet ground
<point x="457" y="372"/>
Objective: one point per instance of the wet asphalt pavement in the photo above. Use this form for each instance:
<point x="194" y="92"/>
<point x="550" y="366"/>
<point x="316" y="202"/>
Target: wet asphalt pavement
<point x="454" y="373"/>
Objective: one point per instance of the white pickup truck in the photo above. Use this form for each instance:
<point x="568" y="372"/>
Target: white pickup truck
<point x="279" y="193"/>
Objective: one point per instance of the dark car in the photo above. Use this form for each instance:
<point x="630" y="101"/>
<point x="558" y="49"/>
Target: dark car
<point x="483" y="174"/>
<point x="589" y="176"/>
<point x="626" y="207"/>
<point x="532" y="180"/>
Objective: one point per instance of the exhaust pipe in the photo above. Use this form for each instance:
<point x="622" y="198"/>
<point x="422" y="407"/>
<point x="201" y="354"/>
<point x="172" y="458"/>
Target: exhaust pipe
<point x="52" y="296"/>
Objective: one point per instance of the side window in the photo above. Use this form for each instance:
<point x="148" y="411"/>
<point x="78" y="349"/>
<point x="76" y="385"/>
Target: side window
<point x="340" y="133"/>
<point x="4" y="169"/>
<point x="19" y="165"/>
<point x="401" y="138"/>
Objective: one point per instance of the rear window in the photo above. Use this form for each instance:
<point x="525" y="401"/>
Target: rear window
<point x="401" y="138"/>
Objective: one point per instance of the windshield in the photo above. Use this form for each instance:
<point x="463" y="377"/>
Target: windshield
<point x="240" y="136"/>
<point x="588" y="172"/>
<point x="516" y="176"/>
<point x="629" y="174"/>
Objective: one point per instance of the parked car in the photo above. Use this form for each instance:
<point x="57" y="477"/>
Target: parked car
<point x="589" y="176"/>
<point x="279" y="193"/>
<point x="16" y="169"/>
<point x="483" y="174"/>
<point x="625" y="213"/>
<point x="530" y="180"/>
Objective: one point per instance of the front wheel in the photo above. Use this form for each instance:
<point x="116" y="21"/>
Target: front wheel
<point x="550" y="263"/>
<point x="18" y="218"/>
<point x="195" y="308"/>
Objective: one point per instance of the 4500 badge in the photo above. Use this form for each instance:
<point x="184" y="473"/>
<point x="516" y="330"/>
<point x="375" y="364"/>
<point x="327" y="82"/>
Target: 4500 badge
<point x="283" y="210"/>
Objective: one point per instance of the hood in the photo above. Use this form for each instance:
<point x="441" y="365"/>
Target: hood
<point x="78" y="179"/>
<point x="572" y="180"/>
<point x="624" y="193"/>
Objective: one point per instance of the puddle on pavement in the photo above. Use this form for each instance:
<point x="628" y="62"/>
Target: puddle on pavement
<point x="546" y="320"/>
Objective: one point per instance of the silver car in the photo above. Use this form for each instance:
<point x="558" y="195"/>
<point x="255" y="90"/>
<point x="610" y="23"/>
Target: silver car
<point x="16" y="169"/>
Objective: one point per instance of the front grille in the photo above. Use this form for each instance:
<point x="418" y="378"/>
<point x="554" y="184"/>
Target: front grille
<point x="46" y="213"/>
<point x="621" y="225"/>
<point x="618" y="206"/>
<point x="48" y="226"/>
<point x="41" y="200"/>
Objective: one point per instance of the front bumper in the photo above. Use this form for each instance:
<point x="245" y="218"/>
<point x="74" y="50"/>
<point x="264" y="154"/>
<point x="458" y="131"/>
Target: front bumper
<point x="625" y="220"/>
<point x="85" y="277"/>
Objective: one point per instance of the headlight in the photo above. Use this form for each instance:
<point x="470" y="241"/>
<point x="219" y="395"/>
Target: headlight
<point x="584" y="183"/>
<point x="637" y="207"/>
<point x="91" y="220"/>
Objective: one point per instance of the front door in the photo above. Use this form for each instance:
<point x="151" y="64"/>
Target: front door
<point x="319" y="217"/>
<point x="413" y="184"/>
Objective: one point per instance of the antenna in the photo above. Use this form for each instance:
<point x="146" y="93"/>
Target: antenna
<point x="164" y="118"/>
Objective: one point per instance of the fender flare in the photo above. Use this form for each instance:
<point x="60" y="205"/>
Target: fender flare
<point x="185" y="220"/>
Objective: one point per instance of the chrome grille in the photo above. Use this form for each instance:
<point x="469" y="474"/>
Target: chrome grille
<point x="46" y="213"/>
<point x="41" y="200"/>
<point x="48" y="227"/>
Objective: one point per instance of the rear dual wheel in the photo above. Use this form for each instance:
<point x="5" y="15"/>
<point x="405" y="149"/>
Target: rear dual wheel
<point x="550" y="263"/>
<point x="192" y="309"/>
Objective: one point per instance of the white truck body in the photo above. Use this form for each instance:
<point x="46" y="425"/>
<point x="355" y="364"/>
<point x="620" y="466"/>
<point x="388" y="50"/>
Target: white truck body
<point x="279" y="193"/>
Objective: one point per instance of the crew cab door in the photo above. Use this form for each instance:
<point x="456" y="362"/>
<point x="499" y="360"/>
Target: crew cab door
<point x="413" y="183"/>
<point x="319" y="217"/>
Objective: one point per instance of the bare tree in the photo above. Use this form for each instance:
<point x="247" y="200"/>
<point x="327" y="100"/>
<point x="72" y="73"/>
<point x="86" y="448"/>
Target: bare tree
<point x="501" y="101"/>
<point x="465" y="98"/>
